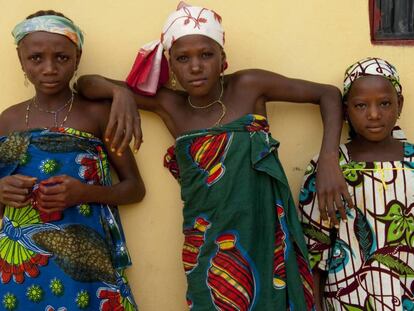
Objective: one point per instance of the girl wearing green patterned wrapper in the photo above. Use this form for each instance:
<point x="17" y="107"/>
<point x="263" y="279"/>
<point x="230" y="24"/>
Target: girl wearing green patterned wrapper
<point x="243" y="248"/>
<point x="61" y="241"/>
<point x="368" y="262"/>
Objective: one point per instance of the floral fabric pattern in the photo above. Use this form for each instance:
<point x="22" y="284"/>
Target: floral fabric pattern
<point x="71" y="260"/>
<point x="370" y="258"/>
<point x="237" y="204"/>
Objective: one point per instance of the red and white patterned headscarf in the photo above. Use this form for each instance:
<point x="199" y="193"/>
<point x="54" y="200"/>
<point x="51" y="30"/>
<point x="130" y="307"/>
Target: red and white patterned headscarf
<point x="150" y="70"/>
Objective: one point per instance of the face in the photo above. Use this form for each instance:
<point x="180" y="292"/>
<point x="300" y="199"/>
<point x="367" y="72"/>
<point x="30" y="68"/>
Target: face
<point x="197" y="62"/>
<point x="49" y="60"/>
<point x="373" y="107"/>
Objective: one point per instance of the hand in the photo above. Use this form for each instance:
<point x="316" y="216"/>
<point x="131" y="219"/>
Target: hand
<point x="331" y="189"/>
<point x="15" y="190"/>
<point x="124" y="121"/>
<point x="58" y="193"/>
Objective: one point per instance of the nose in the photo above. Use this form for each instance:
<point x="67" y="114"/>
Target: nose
<point x="49" y="67"/>
<point x="196" y="65"/>
<point x="374" y="113"/>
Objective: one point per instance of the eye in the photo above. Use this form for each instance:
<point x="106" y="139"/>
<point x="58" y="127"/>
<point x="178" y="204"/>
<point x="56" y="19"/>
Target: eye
<point x="207" y="55"/>
<point x="360" y="106"/>
<point x="385" y="103"/>
<point x="62" y="58"/>
<point x="182" y="59"/>
<point x="35" y="58"/>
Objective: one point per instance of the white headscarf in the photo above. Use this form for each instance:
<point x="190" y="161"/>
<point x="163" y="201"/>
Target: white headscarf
<point x="150" y="69"/>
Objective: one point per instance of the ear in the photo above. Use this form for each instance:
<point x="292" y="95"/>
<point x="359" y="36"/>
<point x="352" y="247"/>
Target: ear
<point x="400" y="103"/>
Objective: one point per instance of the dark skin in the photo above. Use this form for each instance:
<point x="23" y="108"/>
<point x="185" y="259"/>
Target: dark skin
<point x="49" y="60"/>
<point x="197" y="62"/>
<point x="372" y="108"/>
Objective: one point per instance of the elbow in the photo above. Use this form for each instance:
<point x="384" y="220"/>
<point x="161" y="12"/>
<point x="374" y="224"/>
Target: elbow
<point x="333" y="91"/>
<point x="328" y="94"/>
<point x="139" y="192"/>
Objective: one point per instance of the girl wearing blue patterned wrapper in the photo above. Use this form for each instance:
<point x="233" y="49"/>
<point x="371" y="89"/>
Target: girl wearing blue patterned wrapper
<point x="368" y="263"/>
<point x="61" y="244"/>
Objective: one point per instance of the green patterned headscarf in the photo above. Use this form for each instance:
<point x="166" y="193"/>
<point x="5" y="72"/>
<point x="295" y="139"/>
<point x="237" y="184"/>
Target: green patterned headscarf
<point x="49" y="23"/>
<point x="372" y="66"/>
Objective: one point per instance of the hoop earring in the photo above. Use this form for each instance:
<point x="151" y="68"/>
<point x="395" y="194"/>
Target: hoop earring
<point x="73" y="81"/>
<point x="173" y="82"/>
<point x="26" y="80"/>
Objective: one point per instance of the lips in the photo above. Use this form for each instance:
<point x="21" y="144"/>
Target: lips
<point x="197" y="82"/>
<point x="375" y="129"/>
<point x="50" y="83"/>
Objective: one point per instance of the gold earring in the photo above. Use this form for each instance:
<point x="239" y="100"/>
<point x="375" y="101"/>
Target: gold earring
<point x="173" y="81"/>
<point x="26" y="80"/>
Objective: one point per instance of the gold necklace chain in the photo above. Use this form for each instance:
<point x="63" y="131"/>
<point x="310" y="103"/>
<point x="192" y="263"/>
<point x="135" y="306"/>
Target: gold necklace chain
<point x="217" y="101"/>
<point x="55" y="113"/>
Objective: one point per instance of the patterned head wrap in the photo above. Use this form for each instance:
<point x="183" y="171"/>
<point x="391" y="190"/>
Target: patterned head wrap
<point x="371" y="66"/>
<point x="150" y="69"/>
<point x="49" y="23"/>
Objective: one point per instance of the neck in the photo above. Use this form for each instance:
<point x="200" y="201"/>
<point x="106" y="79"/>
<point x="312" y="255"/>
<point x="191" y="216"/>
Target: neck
<point x="388" y="149"/>
<point x="53" y="101"/>
<point x="214" y="95"/>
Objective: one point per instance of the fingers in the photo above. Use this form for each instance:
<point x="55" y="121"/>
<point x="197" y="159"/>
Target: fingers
<point x="22" y="181"/>
<point x="17" y="201"/>
<point x="340" y="207"/>
<point x="348" y="199"/>
<point x="110" y="127"/>
<point x="332" y="212"/>
<point x="53" y="180"/>
<point x="117" y="136"/>
<point x="137" y="134"/>
<point x="49" y="191"/>
<point x="322" y="206"/>
<point x="126" y="139"/>
<point x="52" y="199"/>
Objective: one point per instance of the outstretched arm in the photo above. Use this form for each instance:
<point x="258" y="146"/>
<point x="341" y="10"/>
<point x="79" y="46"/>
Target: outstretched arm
<point x="330" y="183"/>
<point x="124" y="121"/>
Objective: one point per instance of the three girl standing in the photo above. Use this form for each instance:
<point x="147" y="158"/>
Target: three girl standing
<point x="241" y="251"/>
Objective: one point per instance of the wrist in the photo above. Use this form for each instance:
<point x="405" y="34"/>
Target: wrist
<point x="117" y="90"/>
<point x="84" y="193"/>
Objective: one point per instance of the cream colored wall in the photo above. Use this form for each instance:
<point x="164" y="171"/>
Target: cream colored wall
<point x="313" y="40"/>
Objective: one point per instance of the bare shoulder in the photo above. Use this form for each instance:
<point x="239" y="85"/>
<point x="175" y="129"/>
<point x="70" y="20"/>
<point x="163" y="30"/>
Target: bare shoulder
<point x="13" y="118"/>
<point x="91" y="115"/>
<point x="166" y="97"/>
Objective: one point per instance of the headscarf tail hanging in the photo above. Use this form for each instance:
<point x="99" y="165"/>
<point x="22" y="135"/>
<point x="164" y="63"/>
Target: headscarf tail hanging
<point x="150" y="70"/>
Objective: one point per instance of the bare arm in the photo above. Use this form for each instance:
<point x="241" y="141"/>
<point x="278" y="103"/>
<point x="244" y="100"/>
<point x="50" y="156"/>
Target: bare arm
<point x="124" y="121"/>
<point x="331" y="185"/>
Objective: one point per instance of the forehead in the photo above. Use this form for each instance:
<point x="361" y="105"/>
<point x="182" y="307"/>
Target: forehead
<point x="371" y="83"/>
<point x="43" y="39"/>
<point x="194" y="42"/>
